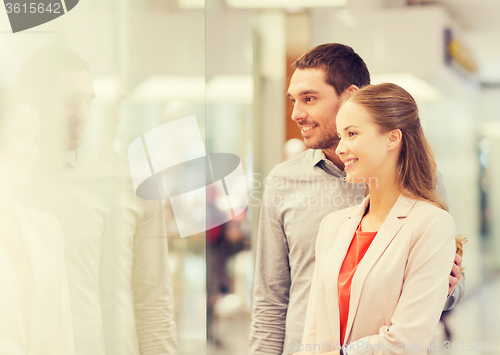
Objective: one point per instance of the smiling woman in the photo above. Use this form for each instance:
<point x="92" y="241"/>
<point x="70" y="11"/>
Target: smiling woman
<point x="362" y="149"/>
<point x="389" y="126"/>
<point x="382" y="268"/>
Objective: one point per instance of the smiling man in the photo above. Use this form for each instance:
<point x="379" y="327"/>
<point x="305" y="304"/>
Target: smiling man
<point x="316" y="104"/>
<point x="299" y="193"/>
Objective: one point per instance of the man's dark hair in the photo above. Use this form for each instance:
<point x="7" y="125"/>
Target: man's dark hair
<point x="40" y="70"/>
<point x="342" y="66"/>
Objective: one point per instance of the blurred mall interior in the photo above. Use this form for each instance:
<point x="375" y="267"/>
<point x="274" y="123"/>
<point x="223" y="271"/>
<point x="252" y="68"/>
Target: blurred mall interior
<point x="228" y="62"/>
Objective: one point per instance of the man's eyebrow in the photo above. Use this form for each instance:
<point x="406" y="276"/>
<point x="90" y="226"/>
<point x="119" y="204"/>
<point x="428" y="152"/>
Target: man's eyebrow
<point x="308" y="92"/>
<point x="302" y="93"/>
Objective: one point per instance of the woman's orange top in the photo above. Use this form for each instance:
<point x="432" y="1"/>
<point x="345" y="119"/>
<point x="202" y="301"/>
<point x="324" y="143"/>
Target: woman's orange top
<point x="357" y="250"/>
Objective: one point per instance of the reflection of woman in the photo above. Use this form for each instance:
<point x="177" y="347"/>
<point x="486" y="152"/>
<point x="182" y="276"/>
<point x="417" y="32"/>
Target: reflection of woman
<point x="34" y="305"/>
<point x="381" y="274"/>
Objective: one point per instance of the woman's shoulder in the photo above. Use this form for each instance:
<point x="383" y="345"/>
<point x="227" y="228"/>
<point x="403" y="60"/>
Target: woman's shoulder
<point x="427" y="215"/>
<point x="426" y="209"/>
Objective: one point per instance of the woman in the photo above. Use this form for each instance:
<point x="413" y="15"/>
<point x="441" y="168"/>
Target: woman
<point x="35" y="317"/>
<point x="381" y="273"/>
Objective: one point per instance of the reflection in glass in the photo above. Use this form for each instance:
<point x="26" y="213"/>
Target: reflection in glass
<point x="35" y="315"/>
<point x="115" y="243"/>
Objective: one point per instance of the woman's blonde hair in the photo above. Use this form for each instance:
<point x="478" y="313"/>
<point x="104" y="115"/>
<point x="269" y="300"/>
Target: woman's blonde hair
<point x="392" y="107"/>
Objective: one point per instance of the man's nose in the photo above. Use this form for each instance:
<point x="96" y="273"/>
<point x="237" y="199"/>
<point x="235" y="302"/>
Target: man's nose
<point x="298" y="113"/>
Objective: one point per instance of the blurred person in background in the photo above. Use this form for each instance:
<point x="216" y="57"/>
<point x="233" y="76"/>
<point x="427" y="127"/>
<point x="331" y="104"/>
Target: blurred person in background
<point x="300" y="192"/>
<point x="119" y="293"/>
<point x="35" y="316"/>
<point x="222" y="244"/>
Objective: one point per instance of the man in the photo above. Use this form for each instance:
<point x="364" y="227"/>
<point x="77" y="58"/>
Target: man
<point x="300" y="192"/>
<point x="119" y="284"/>
<point x="31" y="247"/>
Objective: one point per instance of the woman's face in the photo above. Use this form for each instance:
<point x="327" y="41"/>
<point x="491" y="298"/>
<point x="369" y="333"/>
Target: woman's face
<point x="363" y="150"/>
<point x="18" y="129"/>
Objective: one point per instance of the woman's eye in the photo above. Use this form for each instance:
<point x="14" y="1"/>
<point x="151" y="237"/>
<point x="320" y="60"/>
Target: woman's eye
<point x="351" y="134"/>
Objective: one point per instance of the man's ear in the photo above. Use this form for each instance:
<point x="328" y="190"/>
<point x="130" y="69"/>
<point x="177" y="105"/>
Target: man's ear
<point x="351" y="89"/>
<point x="394" y="139"/>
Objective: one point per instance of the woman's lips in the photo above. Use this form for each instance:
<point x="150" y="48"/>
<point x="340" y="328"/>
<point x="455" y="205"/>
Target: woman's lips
<point x="349" y="163"/>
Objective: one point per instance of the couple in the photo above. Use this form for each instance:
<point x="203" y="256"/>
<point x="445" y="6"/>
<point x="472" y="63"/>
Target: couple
<point x="380" y="271"/>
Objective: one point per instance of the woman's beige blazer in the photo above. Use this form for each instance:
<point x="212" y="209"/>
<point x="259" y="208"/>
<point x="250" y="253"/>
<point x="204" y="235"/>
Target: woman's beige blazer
<point x="399" y="289"/>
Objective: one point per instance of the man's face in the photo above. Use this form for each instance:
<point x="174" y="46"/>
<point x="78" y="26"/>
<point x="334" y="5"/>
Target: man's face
<point x="66" y="108"/>
<point x="316" y="104"/>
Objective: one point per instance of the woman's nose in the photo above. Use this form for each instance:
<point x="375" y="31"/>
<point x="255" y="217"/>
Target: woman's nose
<point x="340" y="148"/>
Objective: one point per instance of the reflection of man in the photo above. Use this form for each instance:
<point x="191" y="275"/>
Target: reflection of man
<point x="104" y="260"/>
<point x="35" y="314"/>
<point x="299" y="193"/>
<point x="57" y="84"/>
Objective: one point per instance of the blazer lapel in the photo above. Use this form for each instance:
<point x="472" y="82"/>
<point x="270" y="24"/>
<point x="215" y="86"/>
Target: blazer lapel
<point x="340" y="247"/>
<point x="384" y="237"/>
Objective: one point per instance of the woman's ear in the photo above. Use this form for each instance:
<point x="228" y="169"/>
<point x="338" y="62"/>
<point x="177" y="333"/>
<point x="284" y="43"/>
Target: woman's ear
<point x="394" y="139"/>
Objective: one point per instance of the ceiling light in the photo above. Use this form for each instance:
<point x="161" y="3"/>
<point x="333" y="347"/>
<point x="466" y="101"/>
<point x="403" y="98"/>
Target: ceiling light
<point x="285" y="3"/>
<point x="230" y="89"/>
<point x="191" y="4"/>
<point x="220" y="89"/>
<point x="160" y="89"/>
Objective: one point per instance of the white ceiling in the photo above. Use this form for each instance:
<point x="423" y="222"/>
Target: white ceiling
<point x="481" y="23"/>
<point x="474" y="15"/>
